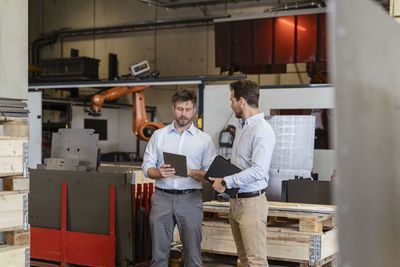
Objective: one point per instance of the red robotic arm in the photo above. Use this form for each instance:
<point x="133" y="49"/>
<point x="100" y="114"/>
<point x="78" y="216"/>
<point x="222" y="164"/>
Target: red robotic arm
<point x="142" y="128"/>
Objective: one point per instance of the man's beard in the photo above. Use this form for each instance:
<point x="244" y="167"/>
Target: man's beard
<point x="239" y="113"/>
<point x="182" y="123"/>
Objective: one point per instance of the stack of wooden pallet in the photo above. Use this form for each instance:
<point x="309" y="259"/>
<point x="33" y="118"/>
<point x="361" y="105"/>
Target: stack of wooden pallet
<point x="302" y="233"/>
<point x="14" y="228"/>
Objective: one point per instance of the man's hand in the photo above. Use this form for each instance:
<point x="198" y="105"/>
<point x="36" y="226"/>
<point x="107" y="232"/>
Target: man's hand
<point x="217" y="185"/>
<point x="166" y="170"/>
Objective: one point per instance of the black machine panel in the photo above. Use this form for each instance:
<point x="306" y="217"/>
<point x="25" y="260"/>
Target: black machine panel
<point x="87" y="202"/>
<point x="307" y="191"/>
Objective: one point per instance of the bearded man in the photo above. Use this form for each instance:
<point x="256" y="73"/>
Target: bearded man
<point x="178" y="200"/>
<point x="251" y="152"/>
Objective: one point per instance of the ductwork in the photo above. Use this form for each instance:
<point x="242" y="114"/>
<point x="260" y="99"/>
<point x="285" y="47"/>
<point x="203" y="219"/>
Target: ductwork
<point x="192" y="3"/>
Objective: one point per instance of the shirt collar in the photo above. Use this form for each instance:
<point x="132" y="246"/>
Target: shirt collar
<point x="192" y="130"/>
<point x="252" y="119"/>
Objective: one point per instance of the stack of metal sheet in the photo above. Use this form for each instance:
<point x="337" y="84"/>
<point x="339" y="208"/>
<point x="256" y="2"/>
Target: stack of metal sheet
<point x="13" y="108"/>
<point x="293" y="153"/>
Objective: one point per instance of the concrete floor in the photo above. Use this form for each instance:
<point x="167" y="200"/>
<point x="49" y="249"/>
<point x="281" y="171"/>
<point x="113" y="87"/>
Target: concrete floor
<point x="213" y="260"/>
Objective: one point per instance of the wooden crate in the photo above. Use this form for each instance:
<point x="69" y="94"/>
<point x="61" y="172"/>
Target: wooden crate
<point x="17" y="237"/>
<point x="300" y="233"/>
<point x="14" y="227"/>
<point x="16" y="127"/>
<point x="15" y="256"/>
<point x="11" y="155"/>
<point x="16" y="184"/>
<point x="13" y="211"/>
<point x="14" y="200"/>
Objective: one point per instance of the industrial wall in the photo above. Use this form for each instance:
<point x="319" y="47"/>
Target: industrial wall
<point x="13" y="49"/>
<point x="175" y="52"/>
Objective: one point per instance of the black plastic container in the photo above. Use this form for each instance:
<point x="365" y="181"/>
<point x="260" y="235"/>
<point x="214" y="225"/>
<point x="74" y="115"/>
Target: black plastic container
<point x="69" y="69"/>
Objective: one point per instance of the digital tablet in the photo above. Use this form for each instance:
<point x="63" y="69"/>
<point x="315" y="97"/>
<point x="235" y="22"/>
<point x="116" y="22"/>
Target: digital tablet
<point x="178" y="162"/>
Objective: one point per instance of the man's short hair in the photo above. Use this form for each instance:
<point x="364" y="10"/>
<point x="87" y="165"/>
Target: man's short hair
<point x="184" y="95"/>
<point x="247" y="89"/>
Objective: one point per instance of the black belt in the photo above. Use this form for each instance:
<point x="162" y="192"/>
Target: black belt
<point x="251" y="194"/>
<point x="177" y="192"/>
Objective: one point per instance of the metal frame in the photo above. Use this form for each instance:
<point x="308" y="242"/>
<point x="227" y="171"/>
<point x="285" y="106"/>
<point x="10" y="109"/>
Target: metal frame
<point x="96" y="84"/>
<point x="274" y="14"/>
<point x="142" y="194"/>
<point x="296" y="86"/>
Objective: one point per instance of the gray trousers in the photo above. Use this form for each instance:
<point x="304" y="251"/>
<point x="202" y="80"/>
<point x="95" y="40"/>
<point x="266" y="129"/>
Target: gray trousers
<point x="184" y="210"/>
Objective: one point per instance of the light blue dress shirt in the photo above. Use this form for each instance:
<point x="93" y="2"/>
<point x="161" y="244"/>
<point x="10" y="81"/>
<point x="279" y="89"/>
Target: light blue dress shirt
<point x="196" y="145"/>
<point x="252" y="153"/>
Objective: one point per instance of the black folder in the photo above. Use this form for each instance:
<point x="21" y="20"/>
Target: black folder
<point x="220" y="168"/>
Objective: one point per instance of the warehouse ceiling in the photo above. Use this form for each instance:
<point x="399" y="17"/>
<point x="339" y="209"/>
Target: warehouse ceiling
<point x="281" y="4"/>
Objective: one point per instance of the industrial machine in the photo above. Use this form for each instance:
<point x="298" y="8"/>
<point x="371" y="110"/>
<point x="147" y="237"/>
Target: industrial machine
<point x="139" y="68"/>
<point x="227" y="136"/>
<point x="300" y="190"/>
<point x="142" y="128"/>
<point x="82" y="216"/>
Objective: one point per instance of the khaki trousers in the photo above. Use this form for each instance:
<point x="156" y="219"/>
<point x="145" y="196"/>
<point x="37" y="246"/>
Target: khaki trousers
<point x="248" y="220"/>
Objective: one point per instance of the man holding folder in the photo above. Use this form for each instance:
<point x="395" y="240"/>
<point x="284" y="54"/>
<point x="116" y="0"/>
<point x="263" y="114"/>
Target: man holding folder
<point x="252" y="153"/>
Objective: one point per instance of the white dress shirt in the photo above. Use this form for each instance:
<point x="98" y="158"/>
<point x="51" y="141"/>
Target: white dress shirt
<point x="252" y="153"/>
<point x="196" y="145"/>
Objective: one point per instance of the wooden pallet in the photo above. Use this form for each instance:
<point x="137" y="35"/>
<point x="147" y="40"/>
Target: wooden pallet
<point x="329" y="262"/>
<point x="303" y="217"/>
<point x="301" y="233"/>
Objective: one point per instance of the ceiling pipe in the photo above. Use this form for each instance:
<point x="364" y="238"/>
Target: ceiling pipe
<point x="192" y="3"/>
<point x="297" y="5"/>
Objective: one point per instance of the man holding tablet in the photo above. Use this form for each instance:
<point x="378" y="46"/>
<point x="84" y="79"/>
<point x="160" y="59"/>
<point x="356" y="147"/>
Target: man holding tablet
<point x="177" y="199"/>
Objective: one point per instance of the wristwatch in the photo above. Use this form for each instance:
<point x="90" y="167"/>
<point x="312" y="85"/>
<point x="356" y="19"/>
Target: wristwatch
<point x="223" y="182"/>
